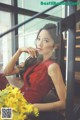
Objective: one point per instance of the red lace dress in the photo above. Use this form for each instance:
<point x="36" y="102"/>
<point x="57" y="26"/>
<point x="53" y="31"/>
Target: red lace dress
<point x="40" y="82"/>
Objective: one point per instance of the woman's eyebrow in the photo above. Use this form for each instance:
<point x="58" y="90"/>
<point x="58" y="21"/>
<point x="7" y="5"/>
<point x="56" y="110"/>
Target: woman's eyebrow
<point x="46" y="38"/>
<point x="43" y="38"/>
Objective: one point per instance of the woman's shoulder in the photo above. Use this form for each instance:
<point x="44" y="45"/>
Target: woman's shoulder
<point x="54" y="67"/>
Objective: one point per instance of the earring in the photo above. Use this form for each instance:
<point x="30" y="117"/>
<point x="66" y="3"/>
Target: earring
<point x="53" y="50"/>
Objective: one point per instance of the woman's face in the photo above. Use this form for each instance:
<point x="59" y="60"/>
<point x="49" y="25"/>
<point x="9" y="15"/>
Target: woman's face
<point x="44" y="43"/>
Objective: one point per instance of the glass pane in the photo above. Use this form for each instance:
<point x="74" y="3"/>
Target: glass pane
<point x="37" y="6"/>
<point x="6" y="1"/>
<point x="5" y="41"/>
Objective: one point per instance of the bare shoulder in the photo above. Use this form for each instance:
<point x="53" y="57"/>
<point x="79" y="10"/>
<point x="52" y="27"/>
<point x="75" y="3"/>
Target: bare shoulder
<point x="54" y="67"/>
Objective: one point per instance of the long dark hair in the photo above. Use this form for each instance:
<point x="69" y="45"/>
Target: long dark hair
<point x="51" y="28"/>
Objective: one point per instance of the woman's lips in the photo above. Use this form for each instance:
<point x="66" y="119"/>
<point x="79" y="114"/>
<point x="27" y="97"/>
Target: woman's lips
<point x="38" y="49"/>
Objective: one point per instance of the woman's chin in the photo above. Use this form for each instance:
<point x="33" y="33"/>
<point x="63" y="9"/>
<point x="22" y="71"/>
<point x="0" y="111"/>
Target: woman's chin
<point x="39" y="52"/>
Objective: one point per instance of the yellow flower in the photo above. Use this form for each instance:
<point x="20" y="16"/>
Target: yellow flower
<point x="36" y="113"/>
<point x="29" y="108"/>
<point x="12" y="97"/>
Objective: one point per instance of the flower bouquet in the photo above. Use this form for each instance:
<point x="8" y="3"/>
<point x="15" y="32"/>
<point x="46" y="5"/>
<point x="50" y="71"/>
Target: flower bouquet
<point x="11" y="97"/>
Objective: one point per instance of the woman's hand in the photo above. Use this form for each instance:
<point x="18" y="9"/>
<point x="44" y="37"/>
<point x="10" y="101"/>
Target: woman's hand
<point x="29" y="50"/>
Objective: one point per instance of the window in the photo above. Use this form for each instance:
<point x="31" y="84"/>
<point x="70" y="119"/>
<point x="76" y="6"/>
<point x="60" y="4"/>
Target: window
<point x="6" y="1"/>
<point x="5" y="41"/>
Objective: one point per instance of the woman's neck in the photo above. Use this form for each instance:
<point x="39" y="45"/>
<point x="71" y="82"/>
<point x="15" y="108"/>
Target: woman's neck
<point x="47" y="57"/>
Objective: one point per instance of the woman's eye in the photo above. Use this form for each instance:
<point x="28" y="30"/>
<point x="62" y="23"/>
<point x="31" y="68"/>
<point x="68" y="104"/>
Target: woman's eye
<point x="38" y="39"/>
<point x="46" y="40"/>
<point x="43" y="40"/>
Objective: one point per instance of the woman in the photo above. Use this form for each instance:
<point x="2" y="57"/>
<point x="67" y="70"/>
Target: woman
<point x="40" y="71"/>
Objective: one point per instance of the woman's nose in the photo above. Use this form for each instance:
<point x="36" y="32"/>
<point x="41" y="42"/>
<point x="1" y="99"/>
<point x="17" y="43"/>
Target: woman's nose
<point x="40" y="43"/>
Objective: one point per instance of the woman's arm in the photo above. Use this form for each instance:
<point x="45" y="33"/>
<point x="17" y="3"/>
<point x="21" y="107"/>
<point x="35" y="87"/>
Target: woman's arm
<point x="11" y="68"/>
<point x="56" y="76"/>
